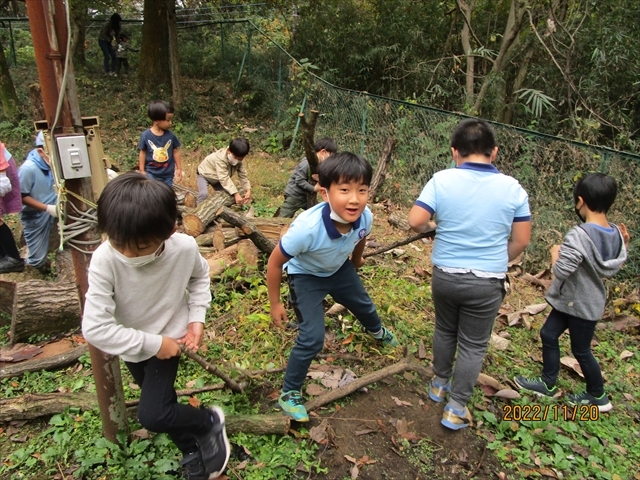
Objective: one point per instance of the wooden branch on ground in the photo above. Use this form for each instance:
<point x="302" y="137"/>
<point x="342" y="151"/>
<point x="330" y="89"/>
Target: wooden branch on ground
<point x="43" y="307"/>
<point x="248" y="228"/>
<point x="381" y="170"/>
<point x="196" y="222"/>
<point x="399" y="243"/>
<point x="399" y="220"/>
<point x="48" y="363"/>
<point x="211" y="368"/>
<point x="538" y="282"/>
<point x="404" y="365"/>
<point x="29" y="407"/>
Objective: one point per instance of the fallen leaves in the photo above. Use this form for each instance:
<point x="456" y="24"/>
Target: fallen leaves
<point x="401" y="403"/>
<point x="358" y="464"/>
<point x="572" y="364"/>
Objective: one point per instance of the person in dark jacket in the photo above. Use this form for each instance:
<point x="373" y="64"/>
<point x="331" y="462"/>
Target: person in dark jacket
<point x="299" y="185"/>
<point x="109" y="31"/>
<point x="590" y="251"/>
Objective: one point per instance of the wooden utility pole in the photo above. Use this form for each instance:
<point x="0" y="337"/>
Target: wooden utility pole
<point x="48" y="23"/>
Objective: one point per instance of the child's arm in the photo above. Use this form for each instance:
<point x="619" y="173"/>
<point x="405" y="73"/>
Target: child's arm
<point x="222" y="172"/>
<point x="420" y="220"/>
<point x="274" y="278"/>
<point x="520" y="238"/>
<point x="566" y="259"/>
<point x="178" y="169"/>
<point x="243" y="178"/>
<point x="142" y="158"/>
<point x="199" y="299"/>
<point x="356" y="256"/>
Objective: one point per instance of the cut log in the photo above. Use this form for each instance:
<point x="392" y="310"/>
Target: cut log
<point x="29" y="407"/>
<point x="218" y="262"/>
<point x="49" y="363"/>
<point x="41" y="307"/>
<point x="218" y="239"/>
<point x="196" y="222"/>
<point x="381" y="170"/>
<point x="399" y="243"/>
<point x="248" y="253"/>
<point x="399" y="219"/>
<point x="248" y="228"/>
<point x="8" y="283"/>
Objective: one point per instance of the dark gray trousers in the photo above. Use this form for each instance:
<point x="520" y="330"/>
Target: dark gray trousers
<point x="466" y="307"/>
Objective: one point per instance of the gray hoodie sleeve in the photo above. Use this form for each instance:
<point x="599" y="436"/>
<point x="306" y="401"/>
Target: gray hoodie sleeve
<point x="569" y="259"/>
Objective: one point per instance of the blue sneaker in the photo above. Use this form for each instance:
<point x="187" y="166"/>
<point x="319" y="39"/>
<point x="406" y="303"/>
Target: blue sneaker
<point x="456" y="419"/>
<point x="437" y="392"/>
<point x="291" y="404"/>
<point x="387" y="337"/>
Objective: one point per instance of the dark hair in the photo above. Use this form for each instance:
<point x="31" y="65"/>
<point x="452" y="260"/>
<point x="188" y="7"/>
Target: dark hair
<point x="133" y="209"/>
<point x="344" y="167"/>
<point x="114" y="21"/>
<point x="473" y="136"/>
<point x="123" y="36"/>
<point x="327" y="144"/>
<point x="597" y="190"/>
<point x="239" y="147"/>
<point x="158" y="109"/>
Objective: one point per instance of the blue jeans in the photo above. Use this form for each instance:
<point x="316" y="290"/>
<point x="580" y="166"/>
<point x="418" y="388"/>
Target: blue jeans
<point x="466" y="307"/>
<point x="109" y="53"/>
<point x="581" y="333"/>
<point x="159" y="410"/>
<point x="306" y="295"/>
<point x="167" y="180"/>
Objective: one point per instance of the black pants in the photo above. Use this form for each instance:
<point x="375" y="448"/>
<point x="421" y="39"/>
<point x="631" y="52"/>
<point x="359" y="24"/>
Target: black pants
<point x="159" y="410"/>
<point x="122" y="62"/>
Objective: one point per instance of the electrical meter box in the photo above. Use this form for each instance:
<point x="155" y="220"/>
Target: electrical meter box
<point x="74" y="156"/>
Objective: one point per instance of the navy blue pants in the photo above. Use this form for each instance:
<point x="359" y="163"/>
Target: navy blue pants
<point x="159" y="410"/>
<point x="306" y="294"/>
<point x="581" y="333"/>
<point x="109" y="53"/>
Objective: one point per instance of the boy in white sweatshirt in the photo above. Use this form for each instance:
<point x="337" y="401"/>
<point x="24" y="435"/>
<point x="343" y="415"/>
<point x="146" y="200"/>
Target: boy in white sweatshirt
<point x="148" y="294"/>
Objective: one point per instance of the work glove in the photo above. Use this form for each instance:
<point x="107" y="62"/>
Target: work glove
<point x="52" y="210"/>
<point x="5" y="184"/>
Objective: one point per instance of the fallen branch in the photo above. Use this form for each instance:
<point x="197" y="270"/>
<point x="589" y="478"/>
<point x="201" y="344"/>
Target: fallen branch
<point x="536" y="281"/>
<point x="248" y="228"/>
<point x="49" y="363"/>
<point x="211" y="368"/>
<point x="381" y="169"/>
<point x="404" y="365"/>
<point x="399" y="243"/>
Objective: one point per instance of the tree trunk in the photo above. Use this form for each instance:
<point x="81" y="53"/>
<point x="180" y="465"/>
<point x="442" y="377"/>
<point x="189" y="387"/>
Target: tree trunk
<point x="467" y="11"/>
<point x="381" y="170"/>
<point x="248" y="228"/>
<point x="48" y="363"/>
<point x="8" y="95"/>
<point x="514" y="24"/>
<point x="156" y="53"/>
<point x="35" y="98"/>
<point x="174" y="57"/>
<point x="308" y="141"/>
<point x="41" y="307"/>
<point x="511" y="100"/>
<point x="78" y="27"/>
<point x="196" y="222"/>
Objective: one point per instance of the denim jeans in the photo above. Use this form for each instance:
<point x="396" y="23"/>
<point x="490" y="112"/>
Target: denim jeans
<point x="109" y="53"/>
<point x="167" y="180"/>
<point x="307" y="293"/>
<point x="466" y="307"/>
<point x="159" y="410"/>
<point x="581" y="333"/>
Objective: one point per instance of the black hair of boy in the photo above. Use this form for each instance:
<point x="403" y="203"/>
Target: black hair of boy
<point x="158" y="109"/>
<point x="473" y="137"/>
<point x="344" y="167"/>
<point x="239" y="147"/>
<point x="124" y="36"/>
<point x="327" y="144"/>
<point x="597" y="190"/>
<point x="133" y="210"/>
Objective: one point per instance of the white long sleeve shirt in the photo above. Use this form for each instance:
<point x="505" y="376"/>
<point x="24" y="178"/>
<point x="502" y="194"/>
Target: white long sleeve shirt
<point x="129" y="309"/>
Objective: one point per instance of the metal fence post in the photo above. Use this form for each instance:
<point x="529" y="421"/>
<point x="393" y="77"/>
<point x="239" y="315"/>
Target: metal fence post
<point x="279" y="86"/>
<point x="222" y="46"/>
<point x="364" y="126"/>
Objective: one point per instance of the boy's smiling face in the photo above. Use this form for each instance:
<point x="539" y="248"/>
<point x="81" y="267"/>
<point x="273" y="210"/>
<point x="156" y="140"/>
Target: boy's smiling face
<point x="347" y="199"/>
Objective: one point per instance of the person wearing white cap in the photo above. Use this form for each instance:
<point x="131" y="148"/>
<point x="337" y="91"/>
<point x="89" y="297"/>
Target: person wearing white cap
<point x="39" y="204"/>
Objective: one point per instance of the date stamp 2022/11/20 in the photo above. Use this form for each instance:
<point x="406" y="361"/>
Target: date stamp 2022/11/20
<point x="541" y="413"/>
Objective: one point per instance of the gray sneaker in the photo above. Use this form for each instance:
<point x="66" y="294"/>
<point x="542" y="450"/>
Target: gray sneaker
<point x="585" y="398"/>
<point x="214" y="446"/>
<point x="10" y="264"/>
<point x="536" y="385"/>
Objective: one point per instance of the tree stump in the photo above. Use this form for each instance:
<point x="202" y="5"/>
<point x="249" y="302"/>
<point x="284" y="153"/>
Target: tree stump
<point x="381" y="169"/>
<point x="8" y="283"/>
<point x="196" y="222"/>
<point x="41" y="307"/>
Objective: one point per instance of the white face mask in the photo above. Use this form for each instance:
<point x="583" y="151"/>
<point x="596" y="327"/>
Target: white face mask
<point x="333" y="215"/>
<point x="231" y="160"/>
<point x="138" y="261"/>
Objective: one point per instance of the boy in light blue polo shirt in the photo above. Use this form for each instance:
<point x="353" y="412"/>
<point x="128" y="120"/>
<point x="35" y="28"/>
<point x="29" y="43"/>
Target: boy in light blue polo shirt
<point x="483" y="222"/>
<point x="315" y="252"/>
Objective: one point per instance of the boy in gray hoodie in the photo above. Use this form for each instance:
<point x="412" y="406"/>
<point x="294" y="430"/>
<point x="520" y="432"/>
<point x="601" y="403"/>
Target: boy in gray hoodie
<point x="589" y="252"/>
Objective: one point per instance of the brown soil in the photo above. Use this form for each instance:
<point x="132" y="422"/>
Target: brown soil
<point x="436" y="453"/>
